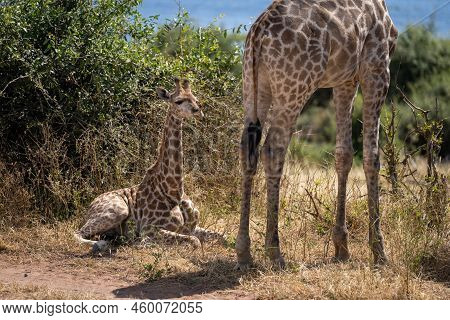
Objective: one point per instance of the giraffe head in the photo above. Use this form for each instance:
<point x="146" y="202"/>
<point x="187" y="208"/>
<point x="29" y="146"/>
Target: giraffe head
<point x="183" y="102"/>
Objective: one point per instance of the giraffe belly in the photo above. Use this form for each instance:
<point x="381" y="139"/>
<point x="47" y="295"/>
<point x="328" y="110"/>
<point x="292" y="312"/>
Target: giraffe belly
<point x="335" y="76"/>
<point x="341" y="67"/>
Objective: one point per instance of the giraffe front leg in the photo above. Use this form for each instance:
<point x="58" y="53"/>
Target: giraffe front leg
<point x="343" y="97"/>
<point x="190" y="216"/>
<point x="169" y="230"/>
<point x="154" y="234"/>
<point x="374" y="88"/>
<point x="191" y="219"/>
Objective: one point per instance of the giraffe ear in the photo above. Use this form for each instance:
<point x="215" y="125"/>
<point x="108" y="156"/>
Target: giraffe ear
<point x="163" y="94"/>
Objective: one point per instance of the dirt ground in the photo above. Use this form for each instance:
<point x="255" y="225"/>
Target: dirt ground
<point x="57" y="278"/>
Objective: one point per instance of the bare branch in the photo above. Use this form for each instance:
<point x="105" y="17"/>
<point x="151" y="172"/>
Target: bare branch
<point x="11" y="82"/>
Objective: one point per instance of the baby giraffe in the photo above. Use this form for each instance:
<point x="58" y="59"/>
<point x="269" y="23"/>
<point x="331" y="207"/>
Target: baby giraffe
<point x="158" y="205"/>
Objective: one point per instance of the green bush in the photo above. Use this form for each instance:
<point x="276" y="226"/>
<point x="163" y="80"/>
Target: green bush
<point x="419" y="55"/>
<point x="78" y="106"/>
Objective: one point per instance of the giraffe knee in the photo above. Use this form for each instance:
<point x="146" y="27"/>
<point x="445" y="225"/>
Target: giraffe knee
<point x="171" y="222"/>
<point x="344" y="159"/>
<point x="371" y="161"/>
<point x="273" y="159"/>
<point x="190" y="215"/>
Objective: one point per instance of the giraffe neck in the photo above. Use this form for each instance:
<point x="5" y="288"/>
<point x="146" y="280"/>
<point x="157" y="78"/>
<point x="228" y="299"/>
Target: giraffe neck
<point x="169" y="166"/>
<point x="165" y="177"/>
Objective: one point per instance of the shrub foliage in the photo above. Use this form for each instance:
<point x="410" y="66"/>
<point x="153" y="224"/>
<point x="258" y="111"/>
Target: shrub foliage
<point x="77" y="102"/>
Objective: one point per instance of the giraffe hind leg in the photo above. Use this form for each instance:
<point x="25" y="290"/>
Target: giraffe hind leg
<point x="374" y="88"/>
<point x="118" y="234"/>
<point x="249" y="154"/>
<point x="106" y="214"/>
<point x="343" y="97"/>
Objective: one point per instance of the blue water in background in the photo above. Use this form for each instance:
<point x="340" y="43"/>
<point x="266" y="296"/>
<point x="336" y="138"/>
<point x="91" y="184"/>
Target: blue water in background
<point x="232" y="13"/>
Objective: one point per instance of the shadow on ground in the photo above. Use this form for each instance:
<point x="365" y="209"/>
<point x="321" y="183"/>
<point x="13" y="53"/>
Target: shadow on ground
<point x="216" y="275"/>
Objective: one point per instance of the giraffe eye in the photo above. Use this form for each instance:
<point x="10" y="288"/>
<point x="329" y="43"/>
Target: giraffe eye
<point x="179" y="102"/>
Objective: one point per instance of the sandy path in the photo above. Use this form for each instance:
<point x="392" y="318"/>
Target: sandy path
<point x="105" y="286"/>
<point x="46" y="274"/>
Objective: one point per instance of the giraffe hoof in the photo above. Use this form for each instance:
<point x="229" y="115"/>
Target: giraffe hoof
<point x="242" y="266"/>
<point x="341" y="258"/>
<point x="279" y="263"/>
<point x="196" y="243"/>
<point x="380" y="261"/>
<point x="100" y="246"/>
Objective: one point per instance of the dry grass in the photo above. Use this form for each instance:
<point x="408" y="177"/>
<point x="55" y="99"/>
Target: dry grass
<point x="307" y="206"/>
<point x="18" y="292"/>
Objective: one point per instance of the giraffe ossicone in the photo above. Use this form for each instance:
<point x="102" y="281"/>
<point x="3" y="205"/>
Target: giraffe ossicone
<point x="158" y="206"/>
<point x="294" y="48"/>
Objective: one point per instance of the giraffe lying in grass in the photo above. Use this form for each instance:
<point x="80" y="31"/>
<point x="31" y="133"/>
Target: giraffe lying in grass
<point x="158" y="205"/>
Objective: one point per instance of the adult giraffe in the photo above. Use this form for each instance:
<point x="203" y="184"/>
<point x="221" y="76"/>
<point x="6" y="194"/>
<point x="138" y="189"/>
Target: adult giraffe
<point x="294" y="48"/>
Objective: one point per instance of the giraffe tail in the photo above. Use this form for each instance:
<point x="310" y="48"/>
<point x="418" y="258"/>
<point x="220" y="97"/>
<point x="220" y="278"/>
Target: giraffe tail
<point x="254" y="129"/>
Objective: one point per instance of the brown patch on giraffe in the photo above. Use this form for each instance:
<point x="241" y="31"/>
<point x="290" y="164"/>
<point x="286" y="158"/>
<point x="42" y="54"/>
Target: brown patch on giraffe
<point x="379" y="32"/>
<point x="275" y="18"/>
<point x="303" y="57"/>
<point x="294" y="10"/>
<point x="287" y="37"/>
<point x="370" y="45"/>
<point x="303" y="74"/>
<point x="302" y="41"/>
<point x="352" y="43"/>
<point x="321" y="18"/>
<point x="290" y="83"/>
<point x="293" y="52"/>
<point x="276" y="29"/>
<point x="274" y="53"/>
<point x="289" y="69"/>
<point x="276" y="44"/>
<point x="172" y="182"/>
<point x="178" y="170"/>
<point x="162" y="206"/>
<point x="329" y="5"/>
<point x="306" y="31"/>
<point x="175" y="143"/>
<point x="282" y="9"/>
<point x="153" y="205"/>
<point x="355" y="14"/>
<point x="280" y="64"/>
<point x="292" y="22"/>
